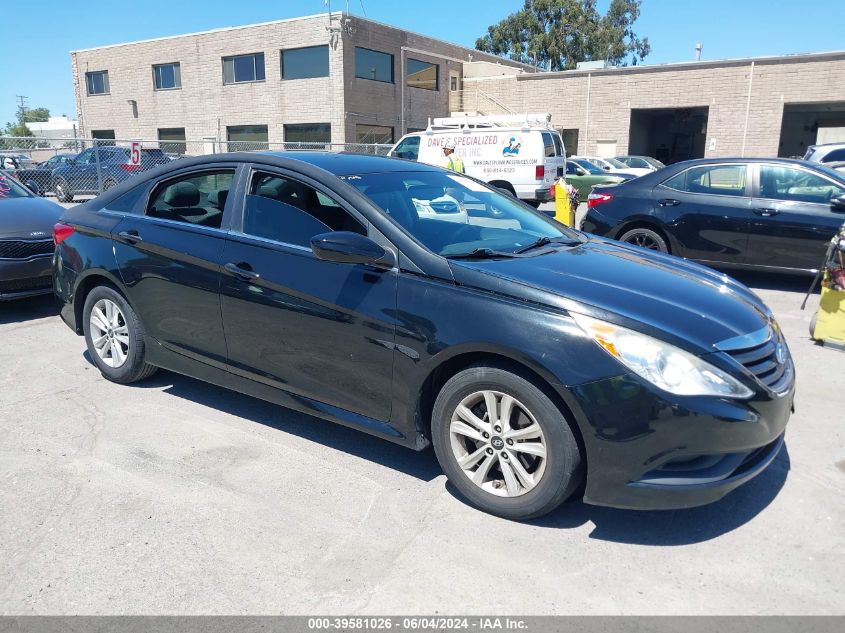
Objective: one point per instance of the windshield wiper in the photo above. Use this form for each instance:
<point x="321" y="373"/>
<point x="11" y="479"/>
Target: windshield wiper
<point x="545" y="241"/>
<point x="480" y="253"/>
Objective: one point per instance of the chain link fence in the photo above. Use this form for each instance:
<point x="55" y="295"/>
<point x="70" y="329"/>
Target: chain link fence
<point x="78" y="168"/>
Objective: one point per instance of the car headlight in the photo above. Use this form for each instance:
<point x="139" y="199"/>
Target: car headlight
<point x="663" y="365"/>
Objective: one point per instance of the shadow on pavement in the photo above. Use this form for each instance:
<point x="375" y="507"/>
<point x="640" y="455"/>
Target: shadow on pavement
<point x="20" y="310"/>
<point x="421" y="465"/>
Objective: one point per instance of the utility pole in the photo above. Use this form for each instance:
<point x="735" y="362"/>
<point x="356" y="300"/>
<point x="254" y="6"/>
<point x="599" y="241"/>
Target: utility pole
<point x="22" y="108"/>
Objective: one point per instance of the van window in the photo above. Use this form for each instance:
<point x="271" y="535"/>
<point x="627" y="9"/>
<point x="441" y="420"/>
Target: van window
<point x="548" y="145"/>
<point x="408" y="148"/>
<point x="558" y="144"/>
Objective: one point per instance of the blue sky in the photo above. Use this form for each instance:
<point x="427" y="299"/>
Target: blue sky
<point x="36" y="41"/>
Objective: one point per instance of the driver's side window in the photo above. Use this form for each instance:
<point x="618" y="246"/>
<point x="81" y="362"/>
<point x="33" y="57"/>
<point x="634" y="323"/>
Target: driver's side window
<point x="288" y="211"/>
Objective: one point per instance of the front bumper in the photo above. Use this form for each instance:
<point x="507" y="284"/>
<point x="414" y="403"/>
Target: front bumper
<point x="649" y="453"/>
<point x="25" y="277"/>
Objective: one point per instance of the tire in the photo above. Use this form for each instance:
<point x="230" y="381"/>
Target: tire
<point x="535" y="423"/>
<point x="645" y="238"/>
<point x="120" y="358"/>
<point x="63" y="192"/>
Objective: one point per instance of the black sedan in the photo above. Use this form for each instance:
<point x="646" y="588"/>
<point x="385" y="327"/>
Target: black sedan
<point x="764" y="213"/>
<point x="26" y="240"/>
<point x="426" y="307"/>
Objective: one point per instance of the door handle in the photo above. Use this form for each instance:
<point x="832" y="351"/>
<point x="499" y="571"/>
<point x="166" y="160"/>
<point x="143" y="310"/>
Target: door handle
<point x="242" y="270"/>
<point x="668" y="202"/>
<point x="766" y="213"/>
<point x="130" y="236"/>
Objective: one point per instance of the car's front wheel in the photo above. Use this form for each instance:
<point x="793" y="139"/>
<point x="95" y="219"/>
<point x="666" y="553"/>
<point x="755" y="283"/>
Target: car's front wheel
<point x="114" y="336"/>
<point x="504" y="444"/>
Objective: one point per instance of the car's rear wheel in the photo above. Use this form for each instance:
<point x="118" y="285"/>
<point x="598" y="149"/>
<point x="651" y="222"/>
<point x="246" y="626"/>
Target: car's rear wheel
<point x="63" y="192"/>
<point x="645" y="238"/>
<point x="503" y="443"/>
<point x="114" y="336"/>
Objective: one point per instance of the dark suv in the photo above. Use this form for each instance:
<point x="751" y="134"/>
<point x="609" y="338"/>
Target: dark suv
<point x="79" y="177"/>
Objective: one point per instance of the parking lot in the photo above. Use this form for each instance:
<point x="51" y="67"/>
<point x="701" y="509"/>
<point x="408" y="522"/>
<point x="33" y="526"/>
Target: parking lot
<point x="176" y="497"/>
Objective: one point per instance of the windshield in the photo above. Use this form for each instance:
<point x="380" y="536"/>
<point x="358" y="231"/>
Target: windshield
<point x="618" y="164"/>
<point x="653" y="162"/>
<point x="11" y="188"/>
<point x="455" y="216"/>
<point x="593" y="169"/>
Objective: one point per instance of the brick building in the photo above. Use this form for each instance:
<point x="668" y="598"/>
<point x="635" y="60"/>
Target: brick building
<point x="322" y="78"/>
<point x="773" y="106"/>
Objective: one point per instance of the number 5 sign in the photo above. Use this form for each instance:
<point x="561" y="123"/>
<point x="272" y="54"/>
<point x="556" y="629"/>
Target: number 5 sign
<point x="135" y="153"/>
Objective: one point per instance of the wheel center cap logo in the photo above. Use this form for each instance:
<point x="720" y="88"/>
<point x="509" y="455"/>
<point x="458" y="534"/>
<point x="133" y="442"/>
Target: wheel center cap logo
<point x="497" y="443"/>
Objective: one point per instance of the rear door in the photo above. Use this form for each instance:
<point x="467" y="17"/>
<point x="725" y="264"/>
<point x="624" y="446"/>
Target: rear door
<point x="792" y="217"/>
<point x="316" y="329"/>
<point x="707" y="208"/>
<point x="169" y="256"/>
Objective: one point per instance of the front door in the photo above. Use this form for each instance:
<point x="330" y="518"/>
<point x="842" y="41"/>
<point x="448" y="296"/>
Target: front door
<point x="316" y="329"/>
<point x="792" y="217"/>
<point x="170" y="258"/>
<point x="708" y="208"/>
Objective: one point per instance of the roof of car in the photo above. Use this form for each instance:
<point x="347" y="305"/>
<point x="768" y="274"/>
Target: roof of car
<point x="747" y="159"/>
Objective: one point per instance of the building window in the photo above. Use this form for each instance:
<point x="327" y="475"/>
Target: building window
<point x="98" y="82"/>
<point x="570" y="140"/>
<point x="373" y="65"/>
<point x="453" y="83"/>
<point x="243" y="68"/>
<point x="422" y="74"/>
<point x="104" y="137"/>
<point x="172" y="139"/>
<point x="247" y="137"/>
<point x="167" y="76"/>
<point x="308" y="133"/>
<point x="305" y="63"/>
<point x="374" y="133"/>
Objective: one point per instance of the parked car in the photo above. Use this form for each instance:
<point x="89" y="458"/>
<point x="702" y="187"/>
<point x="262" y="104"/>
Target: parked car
<point x="825" y="153"/>
<point x="26" y="240"/>
<point x="42" y="173"/>
<point x="613" y="166"/>
<point x="80" y="177"/>
<point x="641" y="162"/>
<point x="838" y="166"/>
<point x="767" y="213"/>
<point x="532" y="356"/>
<point x="583" y="175"/>
<point x="13" y="162"/>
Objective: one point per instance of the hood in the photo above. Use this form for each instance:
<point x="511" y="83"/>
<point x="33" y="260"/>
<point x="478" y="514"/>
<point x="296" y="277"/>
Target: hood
<point x="664" y="296"/>
<point x="28" y="218"/>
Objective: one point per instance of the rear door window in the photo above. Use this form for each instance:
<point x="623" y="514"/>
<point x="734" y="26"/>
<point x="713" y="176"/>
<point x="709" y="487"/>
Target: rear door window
<point x="196" y="198"/>
<point x="548" y="145"/>
<point x="722" y="180"/>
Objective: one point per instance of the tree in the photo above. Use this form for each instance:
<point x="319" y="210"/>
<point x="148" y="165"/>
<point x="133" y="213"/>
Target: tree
<point x="557" y="34"/>
<point x="37" y="114"/>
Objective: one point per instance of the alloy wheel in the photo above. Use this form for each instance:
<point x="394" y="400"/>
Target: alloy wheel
<point x="643" y="240"/>
<point x="498" y="443"/>
<point x="109" y="333"/>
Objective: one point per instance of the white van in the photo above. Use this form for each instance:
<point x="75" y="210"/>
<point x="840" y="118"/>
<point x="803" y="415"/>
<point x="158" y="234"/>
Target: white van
<point x="521" y="153"/>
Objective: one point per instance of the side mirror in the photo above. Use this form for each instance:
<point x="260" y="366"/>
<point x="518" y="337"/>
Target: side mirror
<point x="33" y="187"/>
<point x="345" y="247"/>
<point x="837" y="203"/>
<point x="580" y="171"/>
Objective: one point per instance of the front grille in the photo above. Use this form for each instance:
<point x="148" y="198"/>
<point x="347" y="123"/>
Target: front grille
<point x="762" y="361"/>
<point x="24" y="285"/>
<point x="24" y="249"/>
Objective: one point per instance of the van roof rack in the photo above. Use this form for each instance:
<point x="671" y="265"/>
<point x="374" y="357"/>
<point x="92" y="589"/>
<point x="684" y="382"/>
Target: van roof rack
<point x="491" y="121"/>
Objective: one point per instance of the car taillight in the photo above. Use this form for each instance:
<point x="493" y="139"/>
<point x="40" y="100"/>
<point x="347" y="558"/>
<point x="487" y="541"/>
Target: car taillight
<point x="539" y="172"/>
<point x="130" y="167"/>
<point x="61" y="232"/>
<point x="595" y="198"/>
